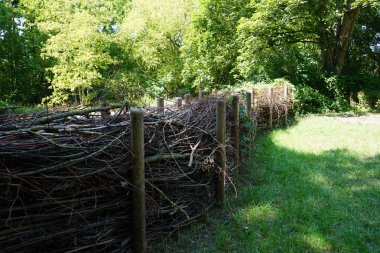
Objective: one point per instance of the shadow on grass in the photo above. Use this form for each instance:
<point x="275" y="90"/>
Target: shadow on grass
<point x="300" y="202"/>
<point x="292" y="201"/>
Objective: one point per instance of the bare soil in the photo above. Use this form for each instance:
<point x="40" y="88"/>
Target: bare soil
<point x="367" y="119"/>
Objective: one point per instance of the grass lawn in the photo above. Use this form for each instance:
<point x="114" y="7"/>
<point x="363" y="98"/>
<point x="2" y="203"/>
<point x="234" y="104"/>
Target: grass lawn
<point x="313" y="187"/>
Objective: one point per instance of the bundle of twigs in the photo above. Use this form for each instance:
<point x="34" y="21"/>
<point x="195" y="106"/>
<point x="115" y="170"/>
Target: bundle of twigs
<point x="279" y="105"/>
<point x="65" y="179"/>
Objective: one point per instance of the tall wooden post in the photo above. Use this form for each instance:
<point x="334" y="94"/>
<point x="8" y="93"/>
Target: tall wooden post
<point x="187" y="99"/>
<point x="161" y="105"/>
<point x="235" y="135"/>
<point x="286" y="98"/>
<point x="178" y="102"/>
<point x="248" y="106"/>
<point x="221" y="151"/>
<point x="138" y="181"/>
<point x="248" y="103"/>
<point x="253" y="101"/>
<point x="270" y="94"/>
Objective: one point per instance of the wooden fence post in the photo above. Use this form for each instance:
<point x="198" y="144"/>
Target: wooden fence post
<point x="178" y="102"/>
<point x="221" y="151"/>
<point x="253" y="101"/>
<point x="248" y="106"/>
<point x="161" y="105"/>
<point x="187" y="99"/>
<point x="286" y="98"/>
<point x="270" y="94"/>
<point x="248" y="103"/>
<point x="235" y="135"/>
<point x="138" y="180"/>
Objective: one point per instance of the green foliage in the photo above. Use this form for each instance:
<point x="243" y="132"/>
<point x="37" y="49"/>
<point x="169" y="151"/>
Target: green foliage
<point x="81" y="37"/>
<point x="294" y="62"/>
<point x="123" y="49"/>
<point x="362" y="60"/>
<point x="210" y="48"/>
<point x="309" y="100"/>
<point x="369" y="99"/>
<point x="338" y="93"/>
<point x="122" y="89"/>
<point x="21" y="66"/>
<point x="156" y="31"/>
<point x="81" y="55"/>
<point x="270" y="47"/>
<point x="296" y="40"/>
<point x="3" y="104"/>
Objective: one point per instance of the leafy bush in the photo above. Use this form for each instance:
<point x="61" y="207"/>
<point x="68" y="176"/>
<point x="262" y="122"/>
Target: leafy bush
<point x="334" y="97"/>
<point x="377" y="106"/>
<point x="337" y="93"/>
<point x="369" y="99"/>
<point x="309" y="100"/>
<point x="3" y="104"/>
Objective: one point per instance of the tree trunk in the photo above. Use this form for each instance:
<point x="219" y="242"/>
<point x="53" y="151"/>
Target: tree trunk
<point x="334" y="43"/>
<point x="344" y="36"/>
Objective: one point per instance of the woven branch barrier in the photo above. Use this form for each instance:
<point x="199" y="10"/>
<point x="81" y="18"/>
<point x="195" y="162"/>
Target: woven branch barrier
<point x="275" y="102"/>
<point x="65" y="180"/>
<point x="66" y="185"/>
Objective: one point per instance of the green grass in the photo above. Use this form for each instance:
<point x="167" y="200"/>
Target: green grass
<point x="313" y="187"/>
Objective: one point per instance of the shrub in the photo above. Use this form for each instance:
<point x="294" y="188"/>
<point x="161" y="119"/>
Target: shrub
<point x="369" y="99"/>
<point x="309" y="100"/>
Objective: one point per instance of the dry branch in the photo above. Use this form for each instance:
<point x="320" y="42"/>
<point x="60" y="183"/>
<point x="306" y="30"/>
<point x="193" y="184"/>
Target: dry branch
<point x="280" y="107"/>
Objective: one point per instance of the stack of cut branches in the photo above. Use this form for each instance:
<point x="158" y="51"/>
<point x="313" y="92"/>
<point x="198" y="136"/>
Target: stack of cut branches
<point x="66" y="178"/>
<point x="279" y="105"/>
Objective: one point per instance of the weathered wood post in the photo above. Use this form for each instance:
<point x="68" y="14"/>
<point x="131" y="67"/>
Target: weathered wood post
<point x="248" y="106"/>
<point x="161" y="105"/>
<point x="221" y="151"/>
<point x="248" y="103"/>
<point x="253" y="101"/>
<point x="138" y="180"/>
<point x="286" y="98"/>
<point x="270" y="94"/>
<point x="187" y="99"/>
<point x="235" y="135"/>
<point x="178" y="102"/>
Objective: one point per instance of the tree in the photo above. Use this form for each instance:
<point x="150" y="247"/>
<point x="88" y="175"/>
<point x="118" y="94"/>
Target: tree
<point x="82" y="39"/>
<point x="210" y="47"/>
<point x="362" y="58"/>
<point x="22" y="77"/>
<point x="155" y="30"/>
<point x="325" y="24"/>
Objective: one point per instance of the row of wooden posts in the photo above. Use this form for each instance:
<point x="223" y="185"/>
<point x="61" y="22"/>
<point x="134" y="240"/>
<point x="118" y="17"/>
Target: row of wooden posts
<point x="137" y="142"/>
<point x="250" y="97"/>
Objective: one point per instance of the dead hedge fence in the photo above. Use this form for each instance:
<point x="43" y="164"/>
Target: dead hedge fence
<point x="85" y="181"/>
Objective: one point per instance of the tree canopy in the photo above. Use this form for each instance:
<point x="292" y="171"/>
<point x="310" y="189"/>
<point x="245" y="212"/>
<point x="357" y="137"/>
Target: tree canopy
<point x="82" y="50"/>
